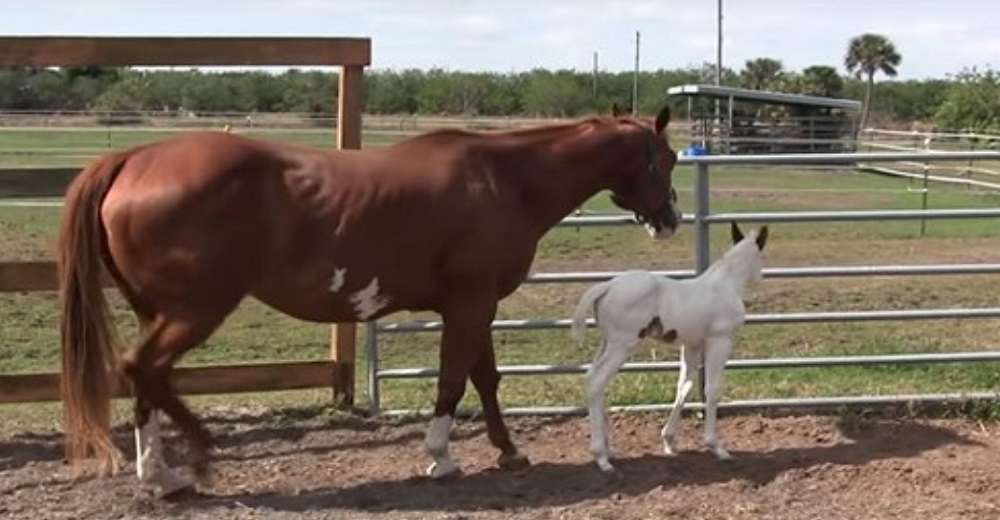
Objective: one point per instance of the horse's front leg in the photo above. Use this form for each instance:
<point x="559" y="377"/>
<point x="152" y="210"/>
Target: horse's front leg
<point x="464" y="341"/>
<point x="486" y="380"/>
<point x="717" y="352"/>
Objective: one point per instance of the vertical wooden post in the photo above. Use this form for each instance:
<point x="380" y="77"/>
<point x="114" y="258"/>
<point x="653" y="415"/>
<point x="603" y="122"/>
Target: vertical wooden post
<point x="343" y="337"/>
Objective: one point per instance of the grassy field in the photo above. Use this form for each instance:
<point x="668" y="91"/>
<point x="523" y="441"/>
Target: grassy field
<point x="256" y="333"/>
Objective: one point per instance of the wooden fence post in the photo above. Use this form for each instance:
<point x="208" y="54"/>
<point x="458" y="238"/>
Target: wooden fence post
<point x="343" y="337"/>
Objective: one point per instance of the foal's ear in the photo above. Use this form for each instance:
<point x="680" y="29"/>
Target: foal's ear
<point x="734" y="229"/>
<point x="761" y="238"/>
<point x="616" y="110"/>
<point x="662" y="119"/>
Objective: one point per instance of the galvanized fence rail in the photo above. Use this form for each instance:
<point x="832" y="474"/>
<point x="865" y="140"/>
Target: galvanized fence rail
<point x="701" y="219"/>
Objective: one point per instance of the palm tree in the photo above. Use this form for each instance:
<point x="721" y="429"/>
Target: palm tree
<point x="762" y="73"/>
<point x="866" y="55"/>
<point x="821" y="80"/>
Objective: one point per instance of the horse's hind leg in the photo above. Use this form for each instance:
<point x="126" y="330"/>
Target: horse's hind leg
<point x="615" y="350"/>
<point x="151" y="467"/>
<point x="149" y="365"/>
<point x="486" y="379"/>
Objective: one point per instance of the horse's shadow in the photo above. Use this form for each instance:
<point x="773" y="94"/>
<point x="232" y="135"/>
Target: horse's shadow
<point x="29" y="448"/>
<point x="561" y="484"/>
<point x="230" y="432"/>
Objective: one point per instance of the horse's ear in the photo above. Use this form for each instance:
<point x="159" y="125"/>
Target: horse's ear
<point x="734" y="228"/>
<point x="615" y="109"/>
<point x="761" y="238"/>
<point x="662" y="119"/>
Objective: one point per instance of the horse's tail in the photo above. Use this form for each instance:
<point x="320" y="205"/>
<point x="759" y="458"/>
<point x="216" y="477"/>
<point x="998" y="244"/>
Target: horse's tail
<point x="86" y="335"/>
<point x="578" y="329"/>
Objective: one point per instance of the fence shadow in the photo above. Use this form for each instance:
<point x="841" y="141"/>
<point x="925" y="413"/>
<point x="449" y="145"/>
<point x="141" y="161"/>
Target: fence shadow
<point x="562" y="484"/>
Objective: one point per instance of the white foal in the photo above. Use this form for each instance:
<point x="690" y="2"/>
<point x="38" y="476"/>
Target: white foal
<point x="702" y="313"/>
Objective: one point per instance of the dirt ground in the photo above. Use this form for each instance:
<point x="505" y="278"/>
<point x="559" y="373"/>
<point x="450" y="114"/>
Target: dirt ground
<point x="791" y="467"/>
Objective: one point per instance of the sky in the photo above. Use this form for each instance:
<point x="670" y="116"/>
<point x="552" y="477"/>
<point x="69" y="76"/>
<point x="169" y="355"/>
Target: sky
<point x="936" y="38"/>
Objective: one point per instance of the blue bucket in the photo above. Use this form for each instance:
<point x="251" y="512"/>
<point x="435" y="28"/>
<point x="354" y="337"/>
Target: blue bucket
<point x="695" y="151"/>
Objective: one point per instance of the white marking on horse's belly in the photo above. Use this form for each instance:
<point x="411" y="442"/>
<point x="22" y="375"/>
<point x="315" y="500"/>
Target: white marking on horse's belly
<point x="368" y="301"/>
<point x="337" y="281"/>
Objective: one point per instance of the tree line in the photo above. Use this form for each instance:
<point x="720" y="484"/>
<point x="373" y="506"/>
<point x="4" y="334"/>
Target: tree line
<point x="969" y="100"/>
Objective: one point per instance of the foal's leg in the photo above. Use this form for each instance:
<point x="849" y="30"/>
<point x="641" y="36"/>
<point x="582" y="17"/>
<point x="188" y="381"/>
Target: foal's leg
<point x="486" y="379"/>
<point x="464" y="341"/>
<point x="610" y="357"/>
<point x="690" y="356"/>
<point x="717" y="350"/>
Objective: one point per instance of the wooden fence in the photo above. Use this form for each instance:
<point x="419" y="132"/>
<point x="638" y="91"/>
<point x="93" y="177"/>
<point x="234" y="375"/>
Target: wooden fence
<point x="351" y="54"/>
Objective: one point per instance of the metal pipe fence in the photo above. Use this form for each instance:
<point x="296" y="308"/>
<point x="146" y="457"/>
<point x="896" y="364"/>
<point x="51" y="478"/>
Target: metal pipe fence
<point x="701" y="219"/>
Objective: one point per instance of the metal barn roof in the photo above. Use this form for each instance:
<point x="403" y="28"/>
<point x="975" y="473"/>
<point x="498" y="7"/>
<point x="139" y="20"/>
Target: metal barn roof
<point x="745" y="94"/>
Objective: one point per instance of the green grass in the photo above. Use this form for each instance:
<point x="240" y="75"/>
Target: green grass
<point x="21" y="148"/>
<point x="256" y="333"/>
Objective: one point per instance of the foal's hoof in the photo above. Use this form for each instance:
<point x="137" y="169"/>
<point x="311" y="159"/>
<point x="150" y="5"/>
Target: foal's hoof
<point x="442" y="470"/>
<point x="669" y="448"/>
<point x="605" y="466"/>
<point x="513" y="462"/>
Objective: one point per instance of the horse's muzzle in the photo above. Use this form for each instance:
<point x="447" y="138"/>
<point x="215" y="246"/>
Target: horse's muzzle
<point x="665" y="223"/>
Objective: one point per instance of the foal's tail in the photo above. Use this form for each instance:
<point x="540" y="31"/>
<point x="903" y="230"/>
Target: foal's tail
<point x="86" y="335"/>
<point x="578" y="329"/>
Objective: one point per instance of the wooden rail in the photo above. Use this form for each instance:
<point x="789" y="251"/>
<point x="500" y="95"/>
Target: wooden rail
<point x="351" y="54"/>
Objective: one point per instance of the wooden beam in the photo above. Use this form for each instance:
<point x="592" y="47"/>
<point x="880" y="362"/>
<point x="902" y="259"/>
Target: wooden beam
<point x="34" y="276"/>
<point x="349" y="105"/>
<point x="35" y="182"/>
<point x="122" y="51"/>
<point x="221" y="379"/>
<point x="343" y="337"/>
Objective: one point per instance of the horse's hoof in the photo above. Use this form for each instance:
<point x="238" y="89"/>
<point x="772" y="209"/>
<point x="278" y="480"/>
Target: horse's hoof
<point x="515" y="462"/>
<point x="443" y="469"/>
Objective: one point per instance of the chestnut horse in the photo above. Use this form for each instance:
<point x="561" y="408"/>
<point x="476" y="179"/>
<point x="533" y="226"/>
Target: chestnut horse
<point x="448" y="221"/>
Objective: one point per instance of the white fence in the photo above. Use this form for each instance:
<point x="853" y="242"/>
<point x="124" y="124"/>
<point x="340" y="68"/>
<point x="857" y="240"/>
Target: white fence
<point x="968" y="172"/>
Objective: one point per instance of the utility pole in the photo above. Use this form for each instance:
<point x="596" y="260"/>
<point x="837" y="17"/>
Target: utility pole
<point x="718" y="45"/>
<point x="594" y="94"/>
<point x="718" y="68"/>
<point x="635" y="78"/>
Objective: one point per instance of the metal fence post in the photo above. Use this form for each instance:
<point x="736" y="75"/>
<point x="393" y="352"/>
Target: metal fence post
<point x="702" y="253"/>
<point x="702" y="250"/>
<point x="371" y="358"/>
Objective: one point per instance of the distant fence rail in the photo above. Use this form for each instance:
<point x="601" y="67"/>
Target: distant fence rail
<point x="969" y="172"/>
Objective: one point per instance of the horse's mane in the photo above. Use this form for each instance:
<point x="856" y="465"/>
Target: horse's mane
<point x="528" y="131"/>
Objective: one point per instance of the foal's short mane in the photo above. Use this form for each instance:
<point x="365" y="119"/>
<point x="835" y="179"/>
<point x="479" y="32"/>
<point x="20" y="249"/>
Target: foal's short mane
<point x="747" y="244"/>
